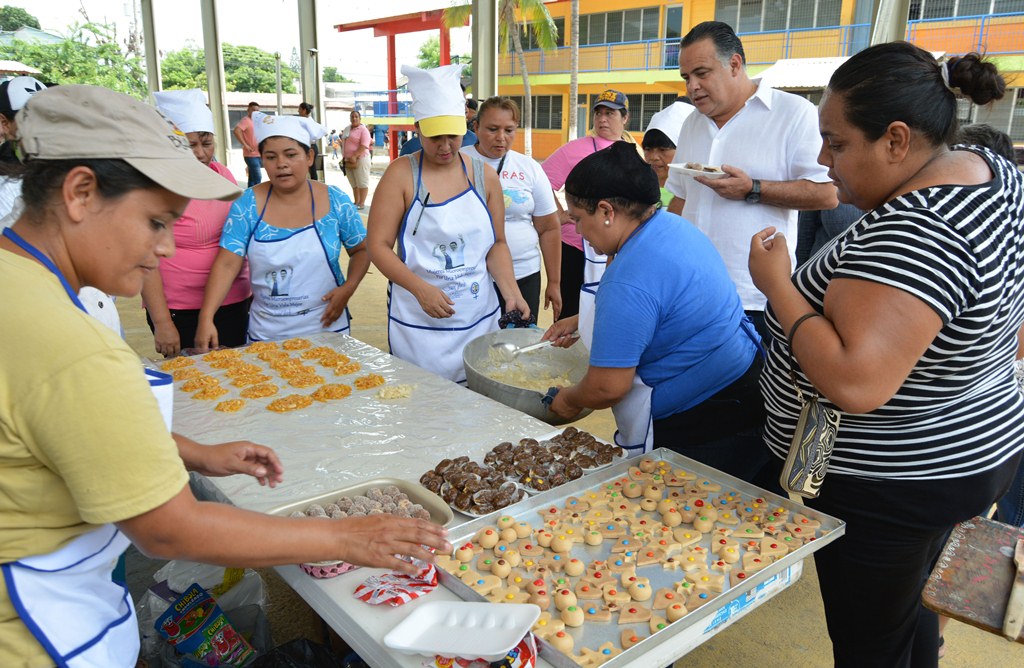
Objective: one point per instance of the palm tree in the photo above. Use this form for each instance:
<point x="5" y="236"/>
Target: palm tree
<point x="574" y="66"/>
<point x="545" y="33"/>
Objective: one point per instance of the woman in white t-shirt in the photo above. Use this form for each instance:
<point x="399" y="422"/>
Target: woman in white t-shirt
<point x="531" y="216"/>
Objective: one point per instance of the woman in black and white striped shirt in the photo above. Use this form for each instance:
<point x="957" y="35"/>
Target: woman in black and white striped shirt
<point x="920" y="303"/>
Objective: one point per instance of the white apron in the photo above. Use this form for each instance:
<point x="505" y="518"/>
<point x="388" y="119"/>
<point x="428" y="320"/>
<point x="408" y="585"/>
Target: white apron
<point x="445" y="244"/>
<point x="289" y="279"/>
<point x="67" y="599"/>
<point x="634" y="424"/>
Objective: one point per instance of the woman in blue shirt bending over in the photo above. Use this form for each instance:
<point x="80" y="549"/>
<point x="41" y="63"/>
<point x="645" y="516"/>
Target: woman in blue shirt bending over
<point x="672" y="352"/>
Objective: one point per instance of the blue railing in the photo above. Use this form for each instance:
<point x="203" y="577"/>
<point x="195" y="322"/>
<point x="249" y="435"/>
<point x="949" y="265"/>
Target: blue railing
<point x="992" y="34"/>
<point x="373" y="104"/>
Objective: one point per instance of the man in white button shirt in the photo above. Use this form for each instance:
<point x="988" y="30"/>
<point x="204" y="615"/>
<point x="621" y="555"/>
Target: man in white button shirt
<point x="765" y="140"/>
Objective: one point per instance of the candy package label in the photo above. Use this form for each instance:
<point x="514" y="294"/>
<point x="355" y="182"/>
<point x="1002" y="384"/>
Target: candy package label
<point x="196" y="626"/>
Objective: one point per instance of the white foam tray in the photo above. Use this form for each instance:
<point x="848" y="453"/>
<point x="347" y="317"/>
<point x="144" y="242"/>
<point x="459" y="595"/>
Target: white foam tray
<point x="463" y="630"/>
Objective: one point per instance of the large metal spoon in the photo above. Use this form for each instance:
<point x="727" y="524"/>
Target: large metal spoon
<point x="512" y="351"/>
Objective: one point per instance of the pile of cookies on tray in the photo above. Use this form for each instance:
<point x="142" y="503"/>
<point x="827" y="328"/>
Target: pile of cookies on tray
<point x="641" y="551"/>
<point x="296" y="363"/>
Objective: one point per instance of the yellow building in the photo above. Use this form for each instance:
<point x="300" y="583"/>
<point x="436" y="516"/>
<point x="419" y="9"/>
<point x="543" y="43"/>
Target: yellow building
<point x="632" y="46"/>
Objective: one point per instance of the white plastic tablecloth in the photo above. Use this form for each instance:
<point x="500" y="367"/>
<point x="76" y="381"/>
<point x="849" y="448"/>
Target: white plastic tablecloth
<point x="331" y="445"/>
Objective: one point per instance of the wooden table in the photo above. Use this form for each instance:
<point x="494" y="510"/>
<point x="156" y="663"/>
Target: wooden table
<point x="972" y="578"/>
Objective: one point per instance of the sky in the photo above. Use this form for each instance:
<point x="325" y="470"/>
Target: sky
<point x="271" y="25"/>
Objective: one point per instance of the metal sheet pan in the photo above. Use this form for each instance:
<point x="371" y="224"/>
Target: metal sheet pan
<point x="711" y="617"/>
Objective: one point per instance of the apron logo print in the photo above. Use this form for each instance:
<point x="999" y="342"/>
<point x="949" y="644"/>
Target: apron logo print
<point x="475" y="289"/>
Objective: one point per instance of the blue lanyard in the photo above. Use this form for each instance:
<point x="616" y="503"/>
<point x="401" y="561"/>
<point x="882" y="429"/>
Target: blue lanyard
<point x="46" y="262"/>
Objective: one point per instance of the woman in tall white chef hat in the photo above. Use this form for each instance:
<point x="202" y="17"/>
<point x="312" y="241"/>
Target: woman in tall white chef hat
<point x="449" y="222"/>
<point x="292" y="230"/>
<point x="86" y="460"/>
<point x="174" y="295"/>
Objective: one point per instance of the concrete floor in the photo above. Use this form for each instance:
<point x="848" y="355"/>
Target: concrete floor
<point x="787" y="631"/>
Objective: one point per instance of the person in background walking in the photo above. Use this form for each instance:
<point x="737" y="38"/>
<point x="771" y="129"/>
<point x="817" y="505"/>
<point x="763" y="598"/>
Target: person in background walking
<point x="243" y="132"/>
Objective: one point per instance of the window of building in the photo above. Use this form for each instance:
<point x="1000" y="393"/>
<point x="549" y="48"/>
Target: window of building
<point x="530" y="41"/>
<point x="631" y="25"/>
<point x="642" y="106"/>
<point x="941" y="9"/>
<point x="746" y="16"/>
<point x="547" y="111"/>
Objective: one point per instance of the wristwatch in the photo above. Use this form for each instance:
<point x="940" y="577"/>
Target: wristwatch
<point x="754" y="196"/>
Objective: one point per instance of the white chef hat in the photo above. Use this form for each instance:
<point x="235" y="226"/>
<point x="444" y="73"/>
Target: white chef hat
<point x="438" y="103"/>
<point x="185" y="108"/>
<point x="301" y="129"/>
<point x="670" y="119"/>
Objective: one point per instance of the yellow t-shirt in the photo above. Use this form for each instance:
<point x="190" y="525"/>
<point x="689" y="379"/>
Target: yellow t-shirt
<point x="82" y="441"/>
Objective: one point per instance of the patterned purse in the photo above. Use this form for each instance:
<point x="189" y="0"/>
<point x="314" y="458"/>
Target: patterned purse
<point x="811" y="448"/>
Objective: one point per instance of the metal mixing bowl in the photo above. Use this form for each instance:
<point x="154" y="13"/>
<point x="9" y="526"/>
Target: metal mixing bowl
<point x="477" y="359"/>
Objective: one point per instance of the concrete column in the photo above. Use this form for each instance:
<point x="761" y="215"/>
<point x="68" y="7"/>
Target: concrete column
<point x="149" y="44"/>
<point x="216" y="91"/>
<point x="309" y="45"/>
<point x="890" y="21"/>
<point x="392" y="96"/>
<point x="485" y="48"/>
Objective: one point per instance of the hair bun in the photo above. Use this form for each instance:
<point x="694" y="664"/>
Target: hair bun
<point x="976" y="78"/>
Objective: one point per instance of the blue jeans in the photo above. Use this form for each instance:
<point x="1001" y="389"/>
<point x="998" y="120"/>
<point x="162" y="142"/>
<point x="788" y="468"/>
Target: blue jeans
<point x="254" y="165"/>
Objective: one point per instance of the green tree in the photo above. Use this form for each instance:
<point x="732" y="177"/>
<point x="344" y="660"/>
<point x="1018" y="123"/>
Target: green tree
<point x="246" y="69"/>
<point x="429" y="55"/>
<point x="545" y="33"/>
<point x="90" y="55"/>
<point x="12" y="18"/>
<point x="332" y="74"/>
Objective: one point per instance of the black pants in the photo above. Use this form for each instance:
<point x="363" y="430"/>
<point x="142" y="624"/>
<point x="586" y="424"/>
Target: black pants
<point x="724" y="431"/>
<point x="573" y="262"/>
<point x="231" y="320"/>
<point x="871" y="579"/>
<point x="529" y="286"/>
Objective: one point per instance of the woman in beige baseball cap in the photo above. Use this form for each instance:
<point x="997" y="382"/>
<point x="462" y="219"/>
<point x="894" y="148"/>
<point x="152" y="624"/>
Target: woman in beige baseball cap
<point x="87" y="463"/>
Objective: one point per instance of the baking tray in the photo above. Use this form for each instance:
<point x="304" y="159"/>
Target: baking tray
<point x="439" y="511"/>
<point x="710" y="618"/>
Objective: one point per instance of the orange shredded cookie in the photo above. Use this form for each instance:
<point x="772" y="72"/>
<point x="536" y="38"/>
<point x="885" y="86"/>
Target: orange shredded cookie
<point x="177" y="363"/>
<point x="271" y="354"/>
<point x="243" y="369"/>
<point x="222" y="354"/>
<point x="347" y="368"/>
<point x="260" y="391"/>
<point x="210" y="393"/>
<point x="297" y="344"/>
<point x="261" y="347"/>
<point x="291" y="402"/>
<point x="305" y="380"/>
<point x="186" y="373"/>
<point x="230" y="406"/>
<point x="317" y="353"/>
<point x="199" y="383"/>
<point x="331" y="392"/>
<point x="369" y="381"/>
<point x="251" y="379"/>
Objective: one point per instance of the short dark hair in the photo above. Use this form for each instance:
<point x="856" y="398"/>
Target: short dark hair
<point x="655" y="138"/>
<point x="304" y="147"/>
<point x="42" y="179"/>
<point x="983" y="134"/>
<point x="898" y="81"/>
<point x="721" y="35"/>
<point x="471" y="104"/>
<point x="306" y="106"/>
<point x="254" y="103"/>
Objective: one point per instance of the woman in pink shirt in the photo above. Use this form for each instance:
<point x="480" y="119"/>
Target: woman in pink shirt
<point x="173" y="295"/>
<point x="611" y="115"/>
<point x="357" y="159"/>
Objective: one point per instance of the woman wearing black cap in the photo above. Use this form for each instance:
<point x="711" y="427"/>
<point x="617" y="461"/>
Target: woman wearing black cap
<point x="672" y="352"/>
